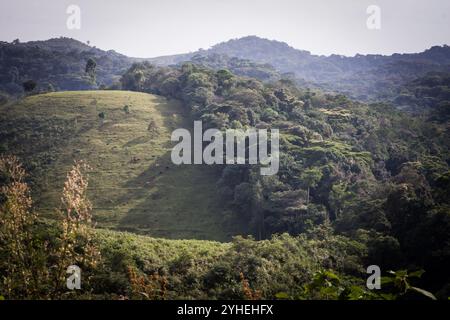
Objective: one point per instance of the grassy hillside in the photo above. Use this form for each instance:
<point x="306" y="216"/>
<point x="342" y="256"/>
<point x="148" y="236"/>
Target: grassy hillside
<point x="125" y="138"/>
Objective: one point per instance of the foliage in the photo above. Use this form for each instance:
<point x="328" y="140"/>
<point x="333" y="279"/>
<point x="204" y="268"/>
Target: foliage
<point x="401" y="282"/>
<point x="33" y="264"/>
<point x="338" y="157"/>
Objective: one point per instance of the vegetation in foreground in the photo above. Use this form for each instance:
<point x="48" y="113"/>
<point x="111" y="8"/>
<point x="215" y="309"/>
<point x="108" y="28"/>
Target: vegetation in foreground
<point x="35" y="254"/>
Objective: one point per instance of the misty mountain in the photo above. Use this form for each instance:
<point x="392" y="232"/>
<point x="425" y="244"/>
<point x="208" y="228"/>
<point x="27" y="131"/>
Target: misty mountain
<point x="365" y="77"/>
<point x="60" y="64"/>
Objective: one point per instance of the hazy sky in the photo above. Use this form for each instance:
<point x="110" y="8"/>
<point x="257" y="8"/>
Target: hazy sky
<point x="148" y="28"/>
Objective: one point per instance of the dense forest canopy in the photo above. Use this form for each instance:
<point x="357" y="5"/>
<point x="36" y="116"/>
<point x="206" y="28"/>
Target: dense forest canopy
<point x="364" y="77"/>
<point x="376" y="174"/>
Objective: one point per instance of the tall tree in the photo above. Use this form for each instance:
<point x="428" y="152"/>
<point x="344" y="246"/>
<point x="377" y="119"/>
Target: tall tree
<point x="311" y="178"/>
<point x="90" y="69"/>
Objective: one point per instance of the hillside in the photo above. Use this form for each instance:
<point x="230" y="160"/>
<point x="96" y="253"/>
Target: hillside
<point x="134" y="185"/>
<point x="57" y="64"/>
<point x="429" y="94"/>
<point x="354" y="165"/>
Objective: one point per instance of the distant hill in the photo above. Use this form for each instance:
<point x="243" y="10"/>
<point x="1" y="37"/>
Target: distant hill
<point x="365" y="77"/>
<point x="133" y="184"/>
<point x="57" y="64"/>
<point x="429" y="93"/>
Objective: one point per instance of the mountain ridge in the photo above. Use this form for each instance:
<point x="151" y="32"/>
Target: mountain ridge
<point x="362" y="77"/>
<point x="366" y="78"/>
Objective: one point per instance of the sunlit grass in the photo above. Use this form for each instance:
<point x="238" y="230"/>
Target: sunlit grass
<point x="133" y="184"/>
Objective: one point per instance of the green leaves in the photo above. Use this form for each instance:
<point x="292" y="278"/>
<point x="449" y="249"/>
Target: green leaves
<point x="401" y="281"/>
<point x="282" y="296"/>
<point x="423" y="292"/>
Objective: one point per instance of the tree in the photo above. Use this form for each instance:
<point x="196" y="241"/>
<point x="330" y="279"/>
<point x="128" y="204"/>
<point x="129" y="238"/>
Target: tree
<point x="3" y="98"/>
<point x="50" y="88"/>
<point x="225" y="81"/>
<point x="90" y="69"/>
<point x="29" y="85"/>
<point x="310" y="179"/>
<point x="338" y="197"/>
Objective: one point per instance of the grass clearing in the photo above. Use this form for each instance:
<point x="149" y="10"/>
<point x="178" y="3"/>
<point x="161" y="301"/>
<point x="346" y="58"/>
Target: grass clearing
<point x="125" y="138"/>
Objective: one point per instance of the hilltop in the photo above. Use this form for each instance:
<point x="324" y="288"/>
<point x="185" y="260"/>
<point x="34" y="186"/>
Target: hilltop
<point x="57" y="64"/>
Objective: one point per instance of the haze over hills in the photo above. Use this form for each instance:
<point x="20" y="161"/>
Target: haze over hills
<point x="365" y="77"/>
<point x="61" y="62"/>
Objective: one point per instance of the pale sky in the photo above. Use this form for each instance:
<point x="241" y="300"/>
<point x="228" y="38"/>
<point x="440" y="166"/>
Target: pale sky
<point x="149" y="28"/>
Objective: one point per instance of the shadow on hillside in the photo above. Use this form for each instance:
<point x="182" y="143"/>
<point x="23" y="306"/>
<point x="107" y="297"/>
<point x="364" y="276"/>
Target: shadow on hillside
<point x="170" y="201"/>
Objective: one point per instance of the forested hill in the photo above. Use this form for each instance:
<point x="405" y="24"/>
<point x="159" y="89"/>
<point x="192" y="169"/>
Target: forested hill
<point x="57" y="64"/>
<point x="365" y="77"/>
<point x="378" y="175"/>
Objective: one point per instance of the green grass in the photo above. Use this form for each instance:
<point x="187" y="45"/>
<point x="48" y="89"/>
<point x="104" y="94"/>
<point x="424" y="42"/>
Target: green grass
<point x="133" y="184"/>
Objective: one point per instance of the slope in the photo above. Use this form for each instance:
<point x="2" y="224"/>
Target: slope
<point x="125" y="138"/>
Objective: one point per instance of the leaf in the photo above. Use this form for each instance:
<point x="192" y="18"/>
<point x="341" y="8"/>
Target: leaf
<point x="282" y="295"/>
<point x="424" y="292"/>
<point x="386" y="280"/>
<point x="356" y="293"/>
<point x="331" y="275"/>
<point x="417" y="274"/>
<point x="145" y="295"/>
<point x="401" y="273"/>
